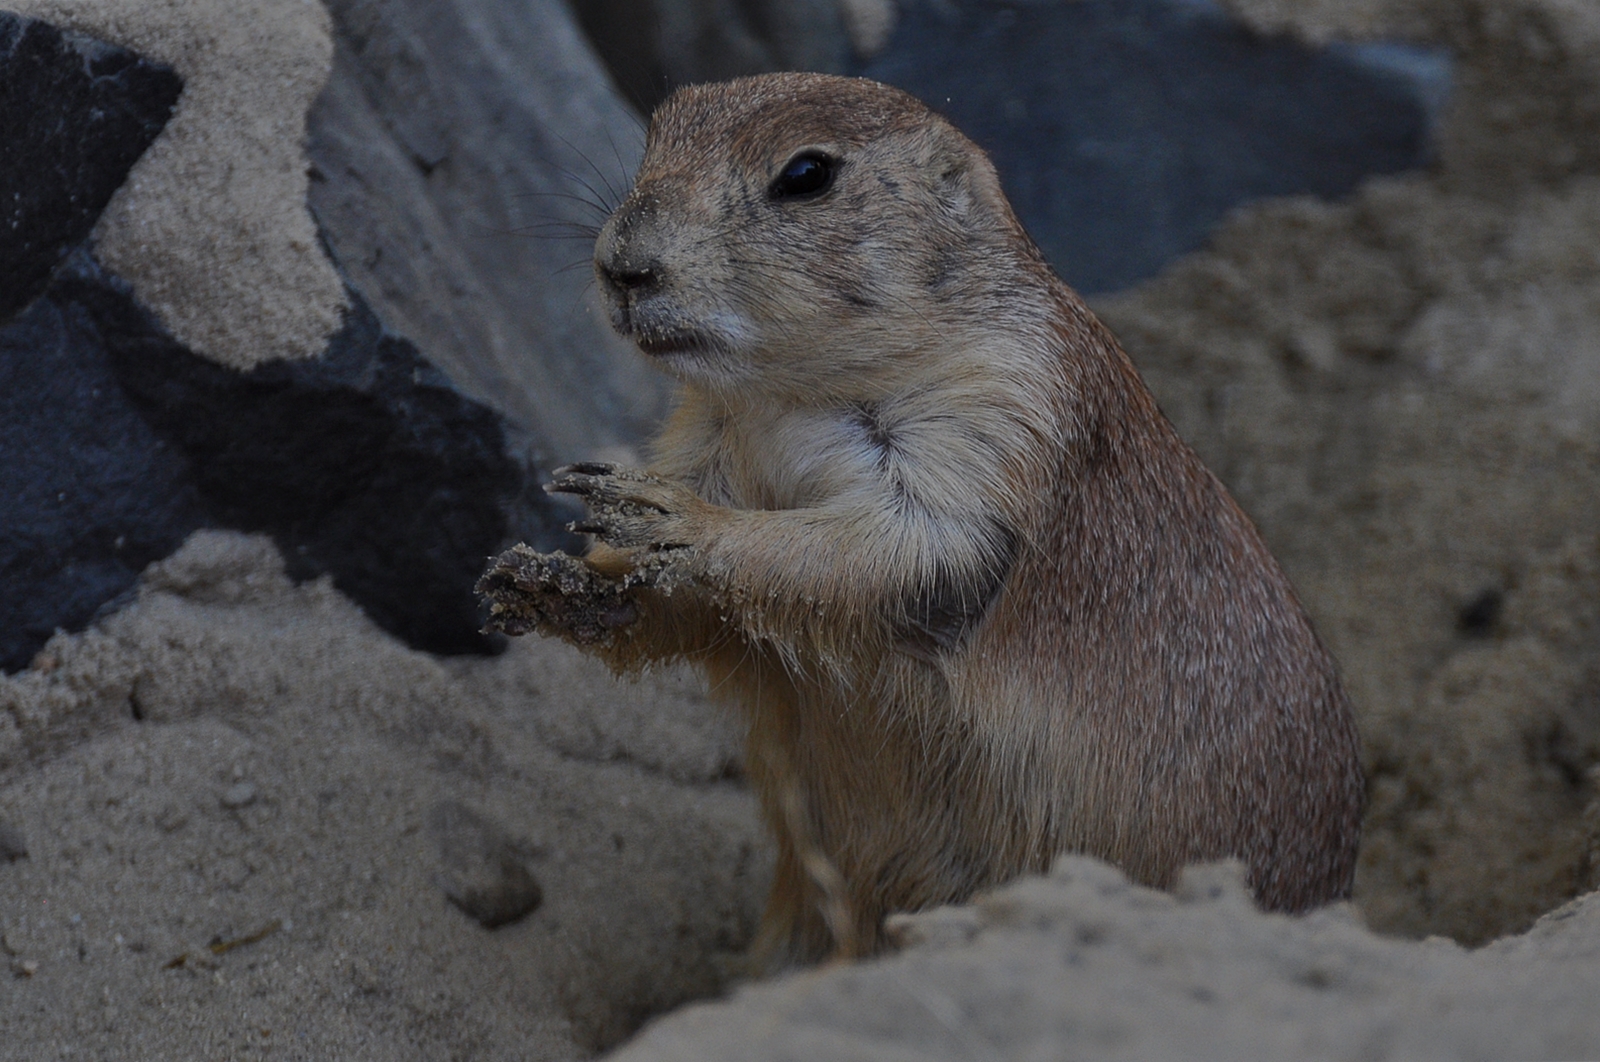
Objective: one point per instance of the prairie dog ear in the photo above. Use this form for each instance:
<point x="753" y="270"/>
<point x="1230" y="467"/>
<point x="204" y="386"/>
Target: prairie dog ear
<point x="966" y="182"/>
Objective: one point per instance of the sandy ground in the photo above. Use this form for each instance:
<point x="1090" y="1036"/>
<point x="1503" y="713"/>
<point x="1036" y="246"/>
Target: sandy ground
<point x="1084" y="965"/>
<point x="232" y="754"/>
<point x="1404" y="390"/>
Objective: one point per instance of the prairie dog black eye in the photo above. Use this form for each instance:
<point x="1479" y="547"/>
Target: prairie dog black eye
<point x="807" y="174"/>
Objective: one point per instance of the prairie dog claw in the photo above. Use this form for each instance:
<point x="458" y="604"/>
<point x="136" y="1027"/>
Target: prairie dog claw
<point x="629" y="508"/>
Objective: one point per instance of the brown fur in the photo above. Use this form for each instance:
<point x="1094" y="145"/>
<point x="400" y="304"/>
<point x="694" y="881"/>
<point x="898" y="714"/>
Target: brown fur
<point x="917" y="515"/>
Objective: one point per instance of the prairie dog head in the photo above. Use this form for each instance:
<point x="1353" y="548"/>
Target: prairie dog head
<point x="802" y="236"/>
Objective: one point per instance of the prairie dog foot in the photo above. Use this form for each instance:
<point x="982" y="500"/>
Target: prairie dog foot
<point x="557" y="593"/>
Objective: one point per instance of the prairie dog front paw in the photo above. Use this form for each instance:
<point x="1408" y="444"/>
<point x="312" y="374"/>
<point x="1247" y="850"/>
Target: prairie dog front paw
<point x="554" y="593"/>
<point x="559" y="594"/>
<point x="629" y="508"/>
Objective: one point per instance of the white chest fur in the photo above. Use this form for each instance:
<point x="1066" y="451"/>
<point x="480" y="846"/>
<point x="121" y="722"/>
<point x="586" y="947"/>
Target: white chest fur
<point x="792" y="459"/>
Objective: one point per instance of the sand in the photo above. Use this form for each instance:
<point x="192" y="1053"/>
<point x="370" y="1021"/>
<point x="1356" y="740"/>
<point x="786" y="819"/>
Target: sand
<point x="211" y="226"/>
<point x="232" y="753"/>
<point x="1082" y="964"/>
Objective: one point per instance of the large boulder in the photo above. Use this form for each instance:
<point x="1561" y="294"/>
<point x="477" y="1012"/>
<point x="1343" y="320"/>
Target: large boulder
<point x="1125" y="130"/>
<point x="461" y="152"/>
<point x="133" y="420"/>
<point x="364" y="463"/>
<point x="654" y="46"/>
<point x="89" y="494"/>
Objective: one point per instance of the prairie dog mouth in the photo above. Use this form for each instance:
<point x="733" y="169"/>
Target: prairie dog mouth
<point x="657" y="343"/>
<point x="657" y="329"/>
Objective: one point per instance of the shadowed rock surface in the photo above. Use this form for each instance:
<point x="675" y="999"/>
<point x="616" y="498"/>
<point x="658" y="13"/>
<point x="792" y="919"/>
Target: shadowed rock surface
<point x="75" y="113"/>
<point x="654" y="46"/>
<point x="364" y="463"/>
<point x="89" y="492"/>
<point x="1124" y="130"/>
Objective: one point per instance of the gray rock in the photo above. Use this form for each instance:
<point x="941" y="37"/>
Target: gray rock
<point x="481" y="868"/>
<point x="88" y="494"/>
<point x="1124" y="130"/>
<point x="75" y="113"/>
<point x="654" y="46"/>
<point x="89" y="491"/>
<point x="364" y="463"/>
<point x="13" y="845"/>
<point x="456" y="142"/>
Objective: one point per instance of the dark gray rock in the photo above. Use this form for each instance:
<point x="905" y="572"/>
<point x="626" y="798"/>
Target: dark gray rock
<point x="655" y="46"/>
<point x="75" y="113"/>
<point x="89" y="492"/>
<point x="117" y="442"/>
<point x="13" y="845"/>
<point x="1124" y="130"/>
<point x="364" y="462"/>
<point x="481" y="868"/>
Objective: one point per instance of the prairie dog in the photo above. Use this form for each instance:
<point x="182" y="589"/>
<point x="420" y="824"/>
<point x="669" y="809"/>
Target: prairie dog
<point x="918" y="516"/>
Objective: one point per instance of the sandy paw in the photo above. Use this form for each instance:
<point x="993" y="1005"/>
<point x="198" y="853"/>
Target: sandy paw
<point x="629" y="508"/>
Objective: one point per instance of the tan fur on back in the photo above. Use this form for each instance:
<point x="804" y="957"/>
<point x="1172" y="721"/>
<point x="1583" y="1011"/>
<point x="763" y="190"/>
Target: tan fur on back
<point x="918" y="517"/>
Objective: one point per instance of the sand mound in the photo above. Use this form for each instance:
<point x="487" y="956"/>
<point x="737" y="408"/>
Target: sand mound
<point x="232" y="754"/>
<point x="1084" y="965"/>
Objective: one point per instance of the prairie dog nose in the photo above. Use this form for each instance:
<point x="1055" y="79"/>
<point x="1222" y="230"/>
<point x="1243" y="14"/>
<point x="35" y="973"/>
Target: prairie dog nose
<point x="627" y="254"/>
<point x="627" y="275"/>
